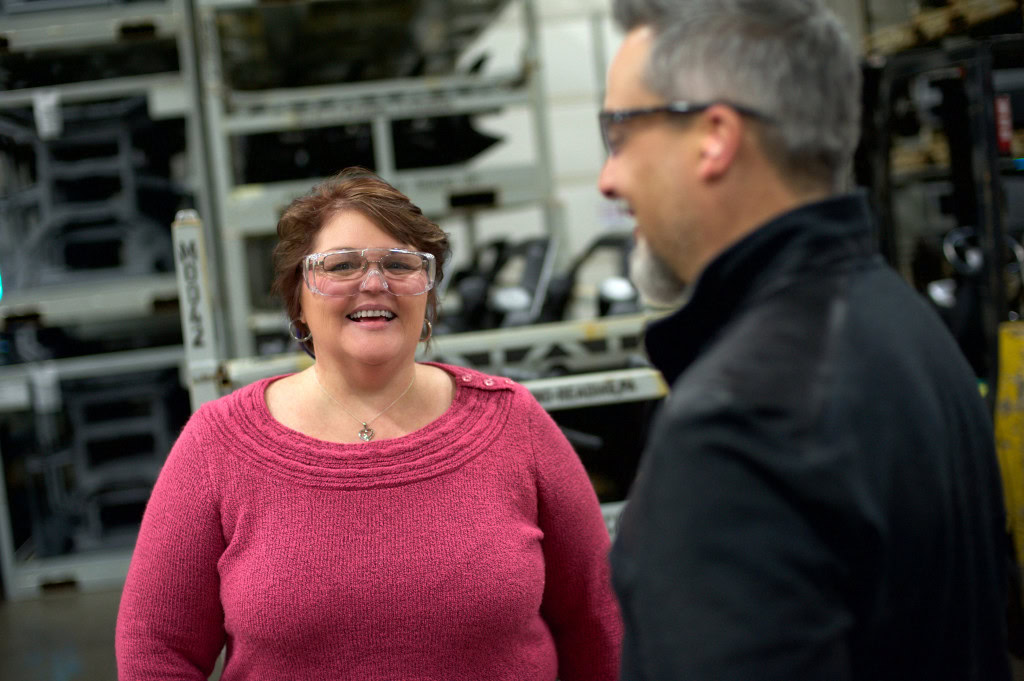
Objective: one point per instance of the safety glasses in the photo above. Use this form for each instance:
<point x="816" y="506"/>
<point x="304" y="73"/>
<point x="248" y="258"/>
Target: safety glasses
<point x="613" y="121"/>
<point x="344" y="272"/>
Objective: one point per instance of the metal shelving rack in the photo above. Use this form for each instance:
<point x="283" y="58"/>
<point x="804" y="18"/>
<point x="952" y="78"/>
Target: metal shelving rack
<point x="603" y="353"/>
<point x="88" y="105"/>
<point x="216" y="115"/>
<point x="76" y="28"/>
<point x="36" y="388"/>
<point x="977" y="171"/>
<point x="246" y="212"/>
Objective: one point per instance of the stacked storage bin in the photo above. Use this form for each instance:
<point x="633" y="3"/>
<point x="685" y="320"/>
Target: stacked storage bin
<point x="99" y="146"/>
<point x="295" y="92"/>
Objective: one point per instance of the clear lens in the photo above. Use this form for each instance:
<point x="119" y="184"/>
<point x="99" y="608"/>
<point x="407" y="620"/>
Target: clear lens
<point x="342" y="273"/>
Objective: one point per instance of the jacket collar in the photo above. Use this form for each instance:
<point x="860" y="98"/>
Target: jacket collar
<point x="814" y="236"/>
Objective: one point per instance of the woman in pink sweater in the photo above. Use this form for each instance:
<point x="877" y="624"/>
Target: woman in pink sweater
<point x="370" y="517"/>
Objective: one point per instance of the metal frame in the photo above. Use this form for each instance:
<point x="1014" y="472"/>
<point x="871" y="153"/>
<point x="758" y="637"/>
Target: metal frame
<point x="94" y="569"/>
<point x="975" y="59"/>
<point x="168" y="95"/>
<point x="584" y="345"/>
<point x="75" y="24"/>
<point x="596" y="349"/>
<point x="244" y="211"/>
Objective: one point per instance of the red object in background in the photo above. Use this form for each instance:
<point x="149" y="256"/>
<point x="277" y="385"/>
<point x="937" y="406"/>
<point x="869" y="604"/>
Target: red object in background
<point x="1004" y="124"/>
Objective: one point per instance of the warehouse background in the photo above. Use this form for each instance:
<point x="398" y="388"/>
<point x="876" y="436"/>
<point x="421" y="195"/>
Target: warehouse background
<point x="116" y="115"/>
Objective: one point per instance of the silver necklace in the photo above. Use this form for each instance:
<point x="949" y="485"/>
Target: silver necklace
<point x="366" y="433"/>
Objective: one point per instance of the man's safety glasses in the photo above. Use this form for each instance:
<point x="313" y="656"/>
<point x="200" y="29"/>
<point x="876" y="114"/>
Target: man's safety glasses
<point x="344" y="272"/>
<point x="612" y="120"/>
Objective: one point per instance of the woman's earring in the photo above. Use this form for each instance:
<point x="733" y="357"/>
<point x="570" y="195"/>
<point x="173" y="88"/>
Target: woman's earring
<point x="293" y="329"/>
<point x="429" y="330"/>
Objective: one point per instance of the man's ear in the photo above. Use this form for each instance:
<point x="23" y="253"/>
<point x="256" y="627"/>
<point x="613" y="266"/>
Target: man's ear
<point x="722" y="128"/>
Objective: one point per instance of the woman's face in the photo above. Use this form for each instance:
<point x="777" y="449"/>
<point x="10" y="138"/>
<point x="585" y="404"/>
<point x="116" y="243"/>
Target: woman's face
<point x="339" y="333"/>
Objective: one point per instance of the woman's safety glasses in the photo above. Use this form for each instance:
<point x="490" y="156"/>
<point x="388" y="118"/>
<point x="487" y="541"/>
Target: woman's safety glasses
<point x="345" y="272"/>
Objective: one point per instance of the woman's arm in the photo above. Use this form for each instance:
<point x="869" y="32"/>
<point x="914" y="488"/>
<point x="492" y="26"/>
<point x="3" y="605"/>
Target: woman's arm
<point x="171" y="625"/>
<point x="579" y="605"/>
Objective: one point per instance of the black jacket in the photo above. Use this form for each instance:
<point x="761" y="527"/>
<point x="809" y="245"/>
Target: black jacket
<point x="819" y="498"/>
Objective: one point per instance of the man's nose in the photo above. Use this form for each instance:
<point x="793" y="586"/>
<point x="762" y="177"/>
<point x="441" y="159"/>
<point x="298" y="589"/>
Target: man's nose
<point x="606" y="180"/>
<point x="374" y="279"/>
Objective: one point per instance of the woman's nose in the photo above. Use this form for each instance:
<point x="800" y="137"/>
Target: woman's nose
<point x="374" y="279"/>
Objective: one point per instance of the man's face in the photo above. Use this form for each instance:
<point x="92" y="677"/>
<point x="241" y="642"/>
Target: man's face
<point x="646" y="168"/>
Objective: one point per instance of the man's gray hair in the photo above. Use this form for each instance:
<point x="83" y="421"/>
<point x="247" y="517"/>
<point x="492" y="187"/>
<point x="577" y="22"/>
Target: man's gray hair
<point x="788" y="59"/>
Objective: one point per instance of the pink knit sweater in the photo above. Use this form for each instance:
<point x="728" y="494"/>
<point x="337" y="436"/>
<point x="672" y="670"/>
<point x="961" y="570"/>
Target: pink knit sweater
<point x="470" y="549"/>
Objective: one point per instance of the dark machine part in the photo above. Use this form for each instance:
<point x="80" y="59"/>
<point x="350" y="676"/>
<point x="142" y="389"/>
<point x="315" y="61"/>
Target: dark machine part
<point x="517" y="303"/>
<point x="90" y="204"/>
<point x="319" y="152"/>
<point x="502" y="286"/>
<point x="958" y="297"/>
<point x="302" y="154"/>
<point x="609" y="440"/>
<point x="437" y="141"/>
<point x="137" y="56"/>
<point x="93" y="200"/>
<point x="80" y="466"/>
<point x="962" y="77"/>
<point x="616" y="295"/>
<point x="27" y="340"/>
<point x="299" y="44"/>
<point x="472" y="285"/>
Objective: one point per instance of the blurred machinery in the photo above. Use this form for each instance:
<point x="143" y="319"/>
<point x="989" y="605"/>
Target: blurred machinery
<point x="941" y="157"/>
<point x="115" y="115"/>
<point x="386" y="85"/>
<point x="100" y="145"/>
<point x="590" y="373"/>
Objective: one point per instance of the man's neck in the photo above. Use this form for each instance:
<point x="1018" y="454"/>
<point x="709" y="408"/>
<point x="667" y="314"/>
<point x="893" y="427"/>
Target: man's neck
<point x="741" y="205"/>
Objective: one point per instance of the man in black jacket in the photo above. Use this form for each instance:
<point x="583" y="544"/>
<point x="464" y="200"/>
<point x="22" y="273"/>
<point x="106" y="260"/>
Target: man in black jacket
<point x="820" y="498"/>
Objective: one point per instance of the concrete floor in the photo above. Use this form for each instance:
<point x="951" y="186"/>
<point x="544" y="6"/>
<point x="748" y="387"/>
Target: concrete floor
<point x="69" y="636"/>
<point x="63" y="636"/>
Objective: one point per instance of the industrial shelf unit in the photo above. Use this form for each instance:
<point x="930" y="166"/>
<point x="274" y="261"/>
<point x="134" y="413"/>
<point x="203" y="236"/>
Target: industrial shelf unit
<point x="946" y="124"/>
<point x="95" y="99"/>
<point x="968" y="162"/>
<point x="38" y="393"/>
<point x="927" y="24"/>
<point x="247" y="212"/>
<point x="603" y="355"/>
<point x="34" y="121"/>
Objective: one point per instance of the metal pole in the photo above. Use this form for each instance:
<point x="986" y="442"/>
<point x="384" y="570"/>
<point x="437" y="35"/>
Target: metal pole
<point x="990" y="203"/>
<point x="197" y="322"/>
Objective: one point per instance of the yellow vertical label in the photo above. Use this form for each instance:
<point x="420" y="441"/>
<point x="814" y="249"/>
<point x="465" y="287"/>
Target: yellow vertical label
<point x="1009" y="427"/>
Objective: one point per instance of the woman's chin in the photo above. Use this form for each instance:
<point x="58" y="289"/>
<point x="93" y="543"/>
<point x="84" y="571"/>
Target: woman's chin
<point x="377" y="351"/>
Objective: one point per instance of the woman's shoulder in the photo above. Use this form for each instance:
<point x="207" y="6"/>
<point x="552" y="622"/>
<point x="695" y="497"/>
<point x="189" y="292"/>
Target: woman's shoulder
<point x="473" y="379"/>
<point x="500" y="392"/>
<point x="219" y="417"/>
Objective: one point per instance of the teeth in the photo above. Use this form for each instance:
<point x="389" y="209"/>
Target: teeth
<point x="362" y="314"/>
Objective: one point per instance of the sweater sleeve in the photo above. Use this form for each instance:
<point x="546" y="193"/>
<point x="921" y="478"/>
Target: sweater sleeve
<point x="171" y="625"/>
<point x="579" y="605"/>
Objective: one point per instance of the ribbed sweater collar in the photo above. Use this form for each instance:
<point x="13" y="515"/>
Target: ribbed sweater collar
<point x="244" y="426"/>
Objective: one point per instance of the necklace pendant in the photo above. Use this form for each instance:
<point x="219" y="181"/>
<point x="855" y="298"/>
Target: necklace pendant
<point x="366" y="434"/>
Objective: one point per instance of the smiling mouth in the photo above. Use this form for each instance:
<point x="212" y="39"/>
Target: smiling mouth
<point x="372" y="315"/>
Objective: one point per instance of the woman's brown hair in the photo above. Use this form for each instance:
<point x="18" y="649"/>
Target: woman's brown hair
<point x="363" y="191"/>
